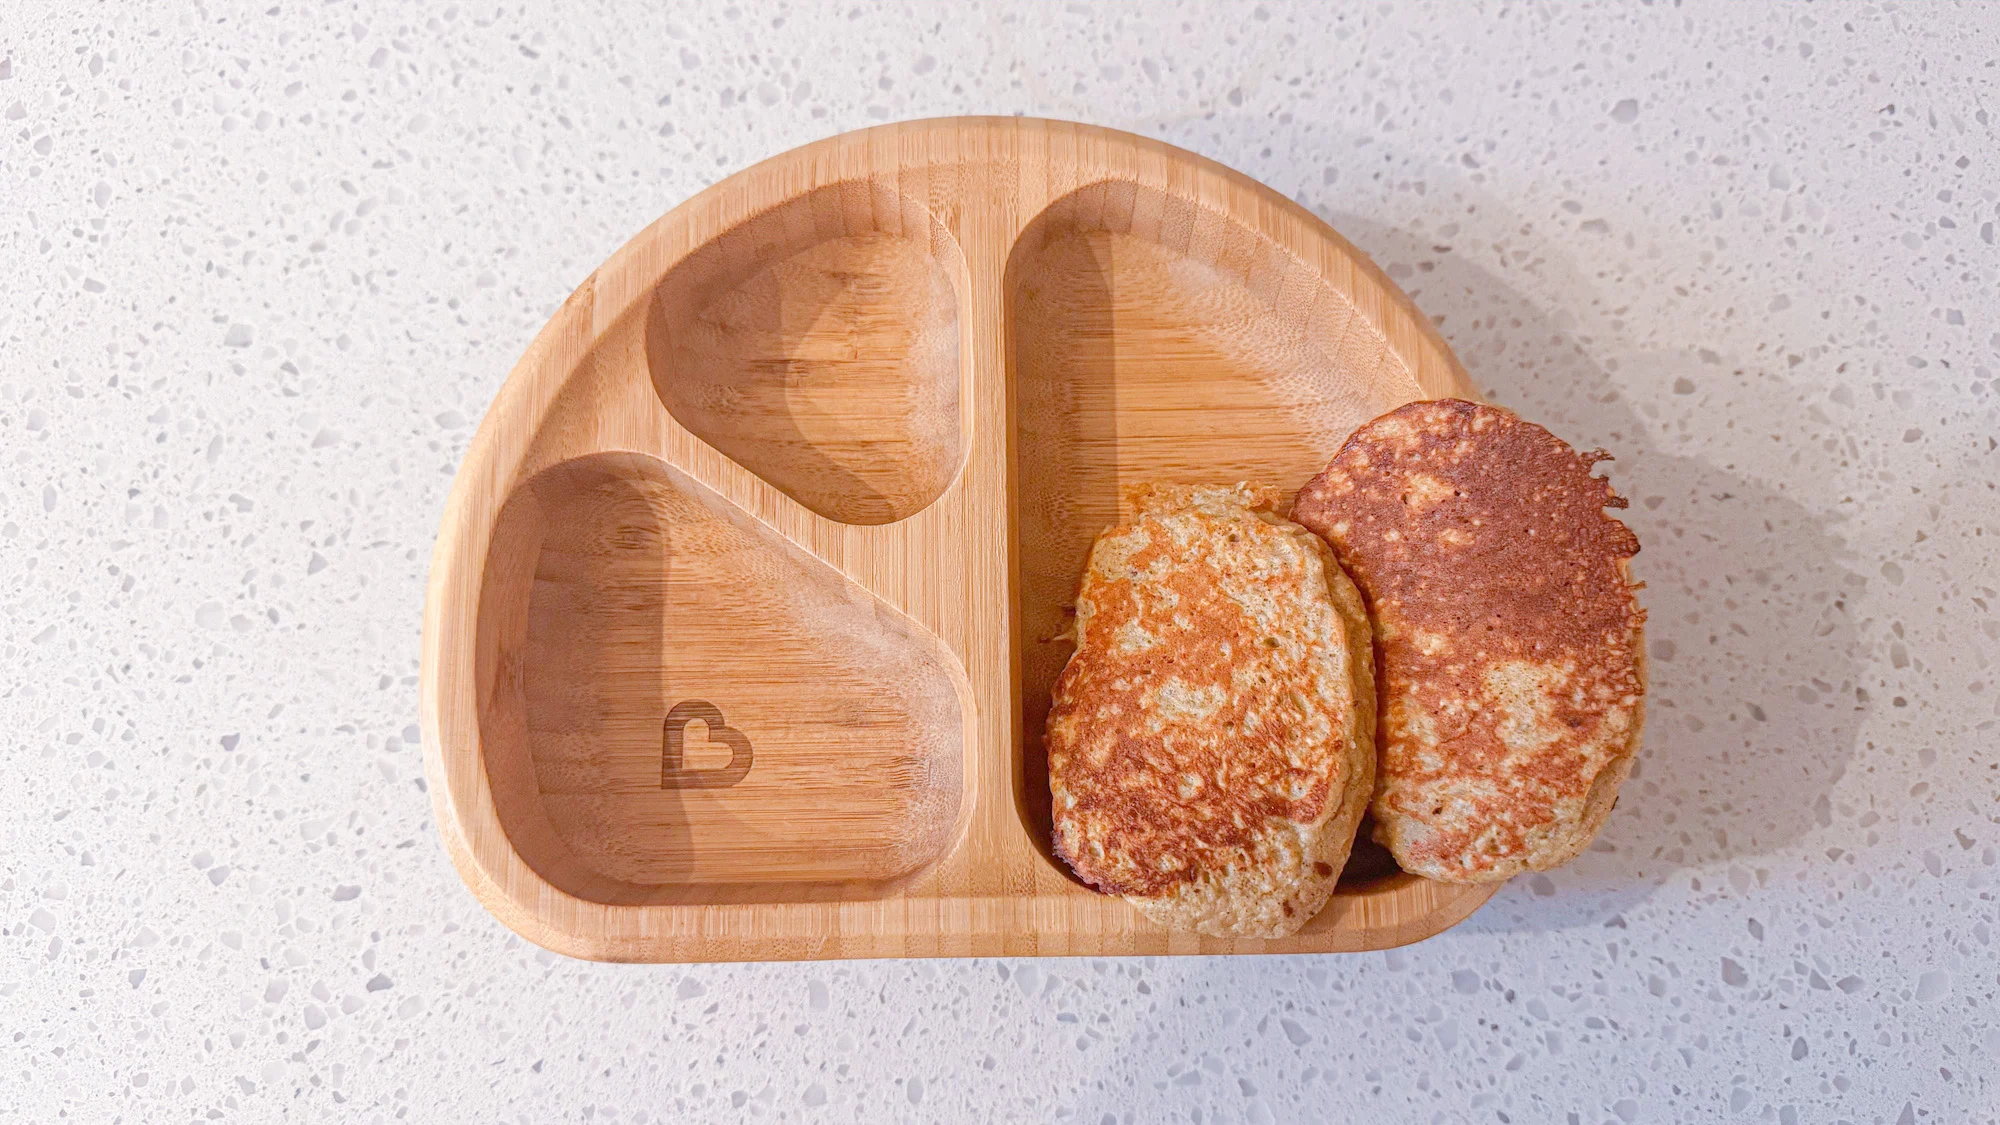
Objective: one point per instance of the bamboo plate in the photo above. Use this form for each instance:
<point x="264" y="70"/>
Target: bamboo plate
<point x="739" y="635"/>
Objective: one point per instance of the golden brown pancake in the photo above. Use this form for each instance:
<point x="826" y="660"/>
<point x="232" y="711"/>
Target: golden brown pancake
<point x="1211" y="741"/>
<point x="1509" y="646"/>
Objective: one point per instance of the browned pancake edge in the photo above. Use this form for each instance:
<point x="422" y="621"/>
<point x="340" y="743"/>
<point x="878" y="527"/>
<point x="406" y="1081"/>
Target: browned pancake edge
<point x="1210" y="742"/>
<point x="1509" y="642"/>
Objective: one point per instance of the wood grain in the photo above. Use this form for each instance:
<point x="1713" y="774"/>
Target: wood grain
<point x="745" y="606"/>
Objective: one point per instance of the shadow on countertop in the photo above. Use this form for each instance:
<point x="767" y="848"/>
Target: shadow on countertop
<point x="1754" y="703"/>
<point x="1755" y="700"/>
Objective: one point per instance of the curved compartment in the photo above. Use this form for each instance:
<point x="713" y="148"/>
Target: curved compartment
<point x="1150" y="339"/>
<point x="664" y="718"/>
<point x="817" y="345"/>
<point x="677" y="706"/>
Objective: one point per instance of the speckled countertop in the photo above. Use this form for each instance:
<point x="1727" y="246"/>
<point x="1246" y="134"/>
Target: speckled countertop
<point x="263" y="265"/>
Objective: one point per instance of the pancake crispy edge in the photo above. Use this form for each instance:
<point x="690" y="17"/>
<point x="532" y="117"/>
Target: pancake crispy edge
<point x="1211" y="740"/>
<point x="1510" y="645"/>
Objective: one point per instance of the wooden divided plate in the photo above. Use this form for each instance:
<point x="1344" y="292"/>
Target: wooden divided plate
<point x="750" y="593"/>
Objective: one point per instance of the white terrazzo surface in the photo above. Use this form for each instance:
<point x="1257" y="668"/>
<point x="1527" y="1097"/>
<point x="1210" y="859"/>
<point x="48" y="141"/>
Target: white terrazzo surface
<point x="262" y="267"/>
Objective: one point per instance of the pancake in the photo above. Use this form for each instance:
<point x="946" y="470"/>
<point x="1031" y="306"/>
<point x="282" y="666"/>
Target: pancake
<point x="1211" y="741"/>
<point x="1509" y="644"/>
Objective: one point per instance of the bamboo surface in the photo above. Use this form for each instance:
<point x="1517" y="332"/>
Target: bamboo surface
<point x="749" y="595"/>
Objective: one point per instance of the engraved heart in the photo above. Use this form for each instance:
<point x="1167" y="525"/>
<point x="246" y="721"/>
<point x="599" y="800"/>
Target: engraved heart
<point x="674" y="773"/>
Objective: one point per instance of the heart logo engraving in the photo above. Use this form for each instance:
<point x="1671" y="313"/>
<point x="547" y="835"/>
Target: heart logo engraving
<point x="674" y="775"/>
